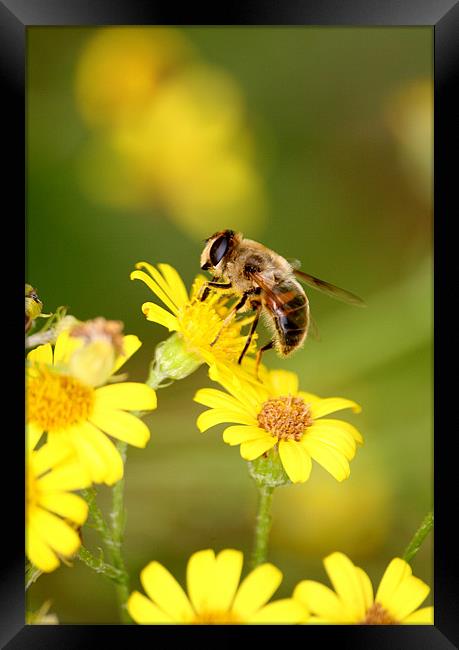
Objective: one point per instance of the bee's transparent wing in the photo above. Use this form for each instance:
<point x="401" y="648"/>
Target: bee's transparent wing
<point x="330" y="289"/>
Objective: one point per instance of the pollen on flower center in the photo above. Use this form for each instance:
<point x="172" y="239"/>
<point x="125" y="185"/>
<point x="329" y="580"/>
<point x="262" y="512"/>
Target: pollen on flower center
<point x="285" y="417"/>
<point x="56" y="402"/>
<point x="201" y="323"/>
<point x="377" y="615"/>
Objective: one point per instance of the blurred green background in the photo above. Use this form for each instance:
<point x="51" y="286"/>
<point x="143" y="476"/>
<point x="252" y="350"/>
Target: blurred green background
<point x="315" y="141"/>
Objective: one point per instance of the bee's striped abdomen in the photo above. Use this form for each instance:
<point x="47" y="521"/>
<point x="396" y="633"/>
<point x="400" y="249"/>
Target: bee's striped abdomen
<point x="290" y="313"/>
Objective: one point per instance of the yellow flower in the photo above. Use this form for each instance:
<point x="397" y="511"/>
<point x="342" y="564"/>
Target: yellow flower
<point x="121" y="69"/>
<point x="52" y="472"/>
<point x="274" y="413"/>
<point x="75" y="412"/>
<point x="396" y="601"/>
<point x="197" y="323"/>
<point x="214" y="594"/>
<point x="194" y="153"/>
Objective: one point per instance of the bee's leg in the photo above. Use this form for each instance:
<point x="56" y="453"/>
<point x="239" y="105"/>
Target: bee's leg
<point x="231" y="313"/>
<point x="253" y="327"/>
<point x="205" y="290"/>
<point x="268" y="346"/>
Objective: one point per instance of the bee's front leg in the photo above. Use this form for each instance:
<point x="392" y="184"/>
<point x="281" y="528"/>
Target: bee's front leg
<point x="205" y="289"/>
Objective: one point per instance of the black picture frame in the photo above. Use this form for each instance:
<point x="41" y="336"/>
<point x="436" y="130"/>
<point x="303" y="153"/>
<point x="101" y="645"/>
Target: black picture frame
<point x="16" y="16"/>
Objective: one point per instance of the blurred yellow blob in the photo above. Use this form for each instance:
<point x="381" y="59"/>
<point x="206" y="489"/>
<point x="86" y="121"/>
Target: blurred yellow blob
<point x="409" y="117"/>
<point x="120" y="69"/>
<point x="193" y="153"/>
<point x="318" y="516"/>
<point x="175" y="136"/>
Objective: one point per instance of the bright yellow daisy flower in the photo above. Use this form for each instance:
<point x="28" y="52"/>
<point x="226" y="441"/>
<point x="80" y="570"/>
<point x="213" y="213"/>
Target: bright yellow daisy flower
<point x="80" y="414"/>
<point x="197" y="323"/>
<point x="396" y="602"/>
<point x="274" y="413"/>
<point x="214" y="594"/>
<point x="52" y="473"/>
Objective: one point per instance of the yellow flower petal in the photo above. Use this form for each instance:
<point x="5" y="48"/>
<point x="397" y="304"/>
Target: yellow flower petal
<point x="143" y="611"/>
<point x="69" y="476"/>
<point x="49" y="455"/>
<point x="367" y="587"/>
<point x="41" y="355"/>
<point x="411" y="593"/>
<point x="334" y="437"/>
<point x="256" y="589"/>
<point x="296" y="460"/>
<point x="255" y="448"/>
<point x="65" y="347"/>
<point x="156" y="314"/>
<point x="218" y="399"/>
<point x="129" y="396"/>
<point x="107" y="452"/>
<point x="121" y="425"/>
<point x="332" y="404"/>
<point x="55" y="532"/>
<point x="65" y="504"/>
<point x="343" y="425"/>
<point x="283" y="382"/>
<point x="424" y="615"/>
<point x="393" y="576"/>
<point x="89" y="454"/>
<point x="280" y="611"/>
<point x="165" y="591"/>
<point x="321" y="600"/>
<point x="38" y="552"/>
<point x="238" y="434"/>
<point x="347" y="584"/>
<point x="333" y="461"/>
<point x="200" y="579"/>
<point x="162" y="283"/>
<point x="156" y="289"/>
<point x="131" y="344"/>
<point x="33" y="435"/>
<point x="176" y="286"/>
<point x="212" y="417"/>
<point x="228" y="567"/>
<point x="308" y="397"/>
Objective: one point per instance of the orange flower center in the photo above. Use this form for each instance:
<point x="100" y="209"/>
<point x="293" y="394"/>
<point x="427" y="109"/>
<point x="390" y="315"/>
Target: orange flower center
<point x="56" y="402"/>
<point x="215" y="618"/>
<point x="285" y="417"/>
<point x="377" y="615"/>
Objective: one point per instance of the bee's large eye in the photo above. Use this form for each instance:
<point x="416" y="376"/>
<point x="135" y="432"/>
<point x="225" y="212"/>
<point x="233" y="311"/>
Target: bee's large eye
<point x="218" y="249"/>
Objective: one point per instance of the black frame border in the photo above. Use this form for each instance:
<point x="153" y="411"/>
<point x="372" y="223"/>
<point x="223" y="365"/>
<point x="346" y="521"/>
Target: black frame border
<point x="443" y="16"/>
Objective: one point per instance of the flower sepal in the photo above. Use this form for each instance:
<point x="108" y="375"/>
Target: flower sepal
<point x="172" y="361"/>
<point x="268" y="471"/>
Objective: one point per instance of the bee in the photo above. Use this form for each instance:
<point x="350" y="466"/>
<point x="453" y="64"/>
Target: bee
<point x="266" y="283"/>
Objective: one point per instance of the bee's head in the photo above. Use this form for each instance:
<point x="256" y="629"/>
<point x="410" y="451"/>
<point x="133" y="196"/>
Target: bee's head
<point x="217" y="248"/>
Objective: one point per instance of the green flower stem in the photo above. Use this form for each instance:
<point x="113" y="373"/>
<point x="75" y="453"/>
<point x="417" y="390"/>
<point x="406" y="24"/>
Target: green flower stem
<point x="118" y="521"/>
<point x="98" y="565"/>
<point x="112" y="536"/>
<point x="95" y="517"/>
<point x="418" y="537"/>
<point x="263" y="525"/>
<point x="118" y="513"/>
<point x="268" y="473"/>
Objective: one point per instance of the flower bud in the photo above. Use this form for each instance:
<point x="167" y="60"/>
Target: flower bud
<point x="33" y="306"/>
<point x="93" y="363"/>
<point x="172" y="361"/>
